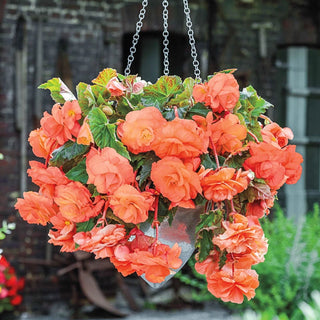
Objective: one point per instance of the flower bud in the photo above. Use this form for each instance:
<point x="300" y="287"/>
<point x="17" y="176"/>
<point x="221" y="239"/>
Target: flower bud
<point x="107" y="110"/>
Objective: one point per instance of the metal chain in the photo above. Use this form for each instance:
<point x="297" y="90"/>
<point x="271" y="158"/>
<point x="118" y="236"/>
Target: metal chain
<point x="165" y="34"/>
<point x="192" y="42"/>
<point x="136" y="37"/>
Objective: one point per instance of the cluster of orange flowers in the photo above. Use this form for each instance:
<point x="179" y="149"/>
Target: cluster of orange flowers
<point x="125" y="148"/>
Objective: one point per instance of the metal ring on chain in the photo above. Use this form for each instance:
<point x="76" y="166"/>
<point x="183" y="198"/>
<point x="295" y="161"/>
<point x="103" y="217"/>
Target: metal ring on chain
<point x="136" y="37"/>
<point x="165" y="34"/>
<point x="192" y="41"/>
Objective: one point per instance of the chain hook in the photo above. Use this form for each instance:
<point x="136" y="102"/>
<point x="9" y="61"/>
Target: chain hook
<point x="165" y="34"/>
<point x="136" y="37"/>
<point x="192" y="41"/>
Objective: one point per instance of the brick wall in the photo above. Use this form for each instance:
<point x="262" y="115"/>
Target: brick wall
<point x="92" y="32"/>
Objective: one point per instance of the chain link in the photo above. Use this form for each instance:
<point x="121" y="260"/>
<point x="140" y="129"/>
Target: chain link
<point x="192" y="41"/>
<point x="136" y="37"/>
<point x="165" y="34"/>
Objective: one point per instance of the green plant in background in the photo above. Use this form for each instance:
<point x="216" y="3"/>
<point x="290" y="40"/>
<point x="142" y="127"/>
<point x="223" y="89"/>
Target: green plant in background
<point x="290" y="273"/>
<point x="311" y="311"/>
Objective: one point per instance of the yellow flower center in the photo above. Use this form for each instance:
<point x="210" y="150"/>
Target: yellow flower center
<point x="71" y="113"/>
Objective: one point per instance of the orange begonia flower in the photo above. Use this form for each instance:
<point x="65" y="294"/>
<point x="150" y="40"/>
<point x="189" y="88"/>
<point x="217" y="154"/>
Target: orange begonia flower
<point x="242" y="235"/>
<point x="101" y="240"/>
<point x="209" y="265"/>
<point x="259" y="208"/>
<point x="131" y="205"/>
<point x="85" y="136"/>
<point x="74" y="201"/>
<point x="275" y="166"/>
<point x="108" y="170"/>
<point x="62" y="125"/>
<point x="115" y="87"/>
<point x="47" y="178"/>
<point x="139" y="129"/>
<point x="181" y="138"/>
<point x="36" y="208"/>
<point x="227" y="133"/>
<point x="233" y="286"/>
<point x="145" y="256"/>
<point x="292" y="163"/>
<point x="221" y="93"/>
<point x="272" y="133"/>
<point x="224" y="183"/>
<point x="63" y="236"/>
<point x="175" y="181"/>
<point x="42" y="146"/>
<point x="157" y="263"/>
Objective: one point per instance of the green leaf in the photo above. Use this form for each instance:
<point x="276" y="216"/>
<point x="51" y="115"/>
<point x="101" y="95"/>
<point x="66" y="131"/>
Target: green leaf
<point x="86" y="226"/>
<point x="70" y="151"/>
<point x="209" y="219"/>
<point x="104" y="133"/>
<point x="105" y="76"/>
<point x="60" y="93"/>
<point x="204" y="244"/>
<point x="227" y="71"/>
<point x="184" y="98"/>
<point x="237" y="161"/>
<point x="162" y="91"/>
<point x="79" y="172"/>
<point x="85" y="97"/>
<point x="123" y="107"/>
<point x="208" y="162"/>
<point x="198" y="109"/>
<point x="143" y="162"/>
<point x="257" y="104"/>
<point x="169" y="113"/>
<point x="258" y="191"/>
<point x="98" y="90"/>
<point x="223" y="259"/>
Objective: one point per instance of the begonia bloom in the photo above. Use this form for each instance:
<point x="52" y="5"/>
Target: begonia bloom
<point x="100" y="240"/>
<point x="131" y="205"/>
<point x="62" y="233"/>
<point x="74" y="201"/>
<point x="139" y="129"/>
<point x="181" y="138"/>
<point x="62" y="125"/>
<point x="220" y="93"/>
<point x="108" y="170"/>
<point x="42" y="145"/>
<point x="241" y="236"/>
<point x="175" y="181"/>
<point x="47" y="178"/>
<point x="224" y="183"/>
<point x="115" y="87"/>
<point x="233" y="286"/>
<point x="85" y="136"/>
<point x="227" y="133"/>
<point x="35" y="208"/>
<point x="273" y="133"/>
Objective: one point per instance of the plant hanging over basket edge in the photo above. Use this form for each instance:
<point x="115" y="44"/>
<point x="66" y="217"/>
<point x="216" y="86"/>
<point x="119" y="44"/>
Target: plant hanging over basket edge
<point x="125" y="153"/>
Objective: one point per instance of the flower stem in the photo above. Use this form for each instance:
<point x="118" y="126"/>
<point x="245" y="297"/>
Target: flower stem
<point x="176" y="111"/>
<point x="232" y="205"/>
<point x="215" y="153"/>
<point x="264" y="117"/>
<point x="253" y="136"/>
<point x="155" y="219"/>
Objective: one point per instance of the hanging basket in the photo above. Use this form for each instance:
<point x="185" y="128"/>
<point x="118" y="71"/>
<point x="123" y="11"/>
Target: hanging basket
<point x="144" y="173"/>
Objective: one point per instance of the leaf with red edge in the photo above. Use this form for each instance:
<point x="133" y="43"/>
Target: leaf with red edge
<point x="105" y="76"/>
<point x="162" y="91"/>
